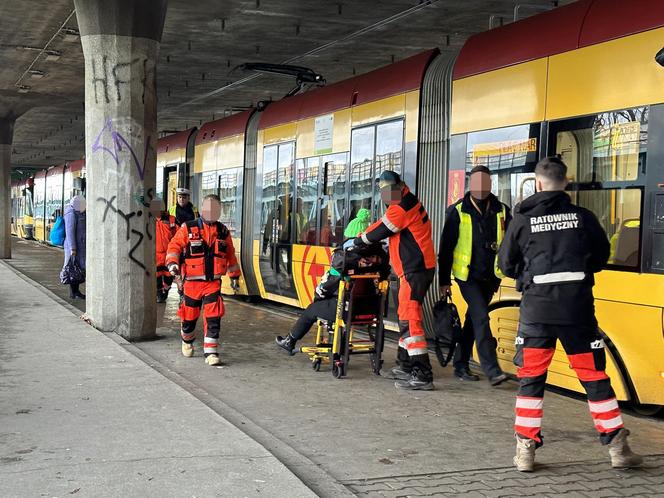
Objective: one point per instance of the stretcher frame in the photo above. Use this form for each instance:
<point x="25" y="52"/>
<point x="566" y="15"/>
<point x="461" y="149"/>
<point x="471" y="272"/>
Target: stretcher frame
<point x="335" y="347"/>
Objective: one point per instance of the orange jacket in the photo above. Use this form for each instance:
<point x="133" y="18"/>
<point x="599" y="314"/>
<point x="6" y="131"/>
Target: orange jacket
<point x="408" y="228"/>
<point x="164" y="231"/>
<point x="205" y="249"/>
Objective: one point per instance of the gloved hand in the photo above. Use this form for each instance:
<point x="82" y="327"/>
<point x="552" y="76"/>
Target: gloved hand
<point x="174" y="269"/>
<point x="235" y="283"/>
<point x="357" y="241"/>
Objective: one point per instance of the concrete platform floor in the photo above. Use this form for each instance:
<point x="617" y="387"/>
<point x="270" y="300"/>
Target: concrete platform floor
<point x="361" y="435"/>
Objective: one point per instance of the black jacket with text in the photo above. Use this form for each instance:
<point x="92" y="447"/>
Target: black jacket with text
<point x="553" y="248"/>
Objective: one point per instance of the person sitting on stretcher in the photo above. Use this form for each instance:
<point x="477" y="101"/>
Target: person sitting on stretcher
<point x="372" y="258"/>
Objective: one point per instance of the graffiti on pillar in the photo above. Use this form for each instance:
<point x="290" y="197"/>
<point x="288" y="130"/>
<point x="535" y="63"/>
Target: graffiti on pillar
<point x="120" y="144"/>
<point x="110" y="80"/>
<point x="131" y="230"/>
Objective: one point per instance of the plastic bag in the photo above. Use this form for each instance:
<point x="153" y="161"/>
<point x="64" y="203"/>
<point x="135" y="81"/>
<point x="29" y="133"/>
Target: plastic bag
<point x="57" y="235"/>
<point x="447" y="328"/>
<point x="72" y="273"/>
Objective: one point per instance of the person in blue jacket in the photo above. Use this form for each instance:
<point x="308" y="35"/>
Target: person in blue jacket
<point x="75" y="238"/>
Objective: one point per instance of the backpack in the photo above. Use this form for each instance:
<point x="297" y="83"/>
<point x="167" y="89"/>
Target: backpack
<point x="57" y="235"/>
<point x="447" y="329"/>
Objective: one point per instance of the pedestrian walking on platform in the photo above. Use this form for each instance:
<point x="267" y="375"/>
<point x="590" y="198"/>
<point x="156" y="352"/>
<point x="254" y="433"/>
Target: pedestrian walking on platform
<point x="407" y="226"/>
<point x="553" y="248"/>
<point x="183" y="209"/>
<point x="473" y="231"/>
<point x="74" y="244"/>
<point x="201" y="252"/>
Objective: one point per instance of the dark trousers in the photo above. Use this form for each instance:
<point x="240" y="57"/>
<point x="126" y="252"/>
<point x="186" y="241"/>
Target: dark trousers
<point x="325" y="309"/>
<point x="477" y="295"/>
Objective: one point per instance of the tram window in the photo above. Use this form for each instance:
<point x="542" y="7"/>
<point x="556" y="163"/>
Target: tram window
<point x="285" y="188"/>
<point x="511" y="154"/>
<point x="333" y="200"/>
<point x="607" y="147"/>
<point x="268" y="199"/>
<point x="307" y="196"/>
<point x="229" y="190"/>
<point x="361" y="168"/>
<point x="389" y="155"/>
<point x="619" y="213"/>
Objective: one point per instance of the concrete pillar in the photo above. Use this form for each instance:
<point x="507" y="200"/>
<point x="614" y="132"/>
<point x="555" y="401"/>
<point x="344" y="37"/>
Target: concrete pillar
<point x="6" y="135"/>
<point x="120" y="41"/>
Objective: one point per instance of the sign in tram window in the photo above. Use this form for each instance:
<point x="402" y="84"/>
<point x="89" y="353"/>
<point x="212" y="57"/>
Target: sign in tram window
<point x="511" y="154"/>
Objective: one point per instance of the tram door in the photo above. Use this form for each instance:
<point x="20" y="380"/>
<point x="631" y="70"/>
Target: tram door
<point x="171" y="198"/>
<point x="277" y="231"/>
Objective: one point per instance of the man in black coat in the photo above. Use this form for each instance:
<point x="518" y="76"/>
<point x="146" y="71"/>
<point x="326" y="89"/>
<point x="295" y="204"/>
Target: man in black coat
<point x="474" y="227"/>
<point x="553" y="249"/>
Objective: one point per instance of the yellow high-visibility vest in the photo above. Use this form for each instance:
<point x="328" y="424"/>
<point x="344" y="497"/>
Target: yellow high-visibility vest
<point x="463" y="250"/>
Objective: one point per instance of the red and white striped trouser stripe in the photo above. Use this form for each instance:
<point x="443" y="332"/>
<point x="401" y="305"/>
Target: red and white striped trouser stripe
<point x="606" y="415"/>
<point x="528" y="421"/>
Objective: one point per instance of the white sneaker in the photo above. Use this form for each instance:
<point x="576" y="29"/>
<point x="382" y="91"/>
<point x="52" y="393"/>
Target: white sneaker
<point x="187" y="349"/>
<point x="525" y="454"/>
<point x="212" y="360"/>
<point x="622" y="456"/>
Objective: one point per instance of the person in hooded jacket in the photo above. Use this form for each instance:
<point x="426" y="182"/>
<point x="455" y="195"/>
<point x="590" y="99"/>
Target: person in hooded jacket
<point x="74" y="244"/>
<point x="553" y="248"/>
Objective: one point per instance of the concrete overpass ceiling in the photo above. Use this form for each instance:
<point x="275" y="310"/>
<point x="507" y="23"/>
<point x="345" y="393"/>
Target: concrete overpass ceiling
<point x="203" y="41"/>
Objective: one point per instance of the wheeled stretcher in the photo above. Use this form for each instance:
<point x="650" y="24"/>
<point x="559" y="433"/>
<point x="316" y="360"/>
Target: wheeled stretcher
<point x="361" y="305"/>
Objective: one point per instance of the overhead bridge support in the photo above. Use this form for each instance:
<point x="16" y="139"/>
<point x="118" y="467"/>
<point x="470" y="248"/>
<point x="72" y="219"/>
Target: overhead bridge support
<point x="6" y="135"/>
<point x="120" y="41"/>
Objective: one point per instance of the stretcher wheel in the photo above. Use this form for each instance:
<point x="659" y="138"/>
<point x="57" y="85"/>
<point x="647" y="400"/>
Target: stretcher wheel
<point x="316" y="365"/>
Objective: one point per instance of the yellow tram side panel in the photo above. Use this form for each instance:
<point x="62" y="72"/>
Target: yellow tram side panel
<point x="629" y="311"/>
<point x="616" y="74"/>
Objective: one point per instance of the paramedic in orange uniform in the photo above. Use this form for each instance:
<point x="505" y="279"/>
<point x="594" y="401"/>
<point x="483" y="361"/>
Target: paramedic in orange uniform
<point x="165" y="228"/>
<point x="407" y="226"/>
<point x="205" y="248"/>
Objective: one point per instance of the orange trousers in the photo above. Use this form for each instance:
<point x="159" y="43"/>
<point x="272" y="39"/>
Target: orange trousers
<point x="206" y="295"/>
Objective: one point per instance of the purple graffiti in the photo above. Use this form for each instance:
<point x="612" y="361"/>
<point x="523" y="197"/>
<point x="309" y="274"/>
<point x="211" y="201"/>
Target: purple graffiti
<point x="119" y="144"/>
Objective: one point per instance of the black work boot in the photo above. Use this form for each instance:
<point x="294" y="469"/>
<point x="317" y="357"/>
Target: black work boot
<point x="466" y="375"/>
<point x="421" y="376"/>
<point x="404" y="367"/>
<point x="287" y="343"/>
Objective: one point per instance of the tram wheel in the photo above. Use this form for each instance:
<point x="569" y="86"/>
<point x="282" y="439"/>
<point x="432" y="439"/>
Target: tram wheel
<point x="647" y="410"/>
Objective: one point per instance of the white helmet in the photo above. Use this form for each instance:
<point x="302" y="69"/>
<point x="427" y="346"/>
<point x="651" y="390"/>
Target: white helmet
<point x="183" y="191"/>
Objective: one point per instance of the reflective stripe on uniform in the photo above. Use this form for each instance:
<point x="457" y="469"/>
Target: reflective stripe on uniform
<point x="529" y="403"/>
<point x="173" y="255"/>
<point x="233" y="268"/>
<point x="563" y="276"/>
<point x="386" y="221"/>
<point x="609" y="425"/>
<point x="528" y="421"/>
<point x="603" y="406"/>
<point x="365" y="239"/>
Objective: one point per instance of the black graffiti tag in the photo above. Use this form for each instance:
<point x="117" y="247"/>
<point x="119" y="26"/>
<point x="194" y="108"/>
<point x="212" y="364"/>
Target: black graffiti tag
<point x="127" y="218"/>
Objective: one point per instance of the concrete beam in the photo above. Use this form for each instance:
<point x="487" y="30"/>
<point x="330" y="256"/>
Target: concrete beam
<point x="6" y="135"/>
<point x="120" y="40"/>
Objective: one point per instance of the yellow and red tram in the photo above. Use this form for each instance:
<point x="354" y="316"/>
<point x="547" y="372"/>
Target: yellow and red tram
<point x="580" y="81"/>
